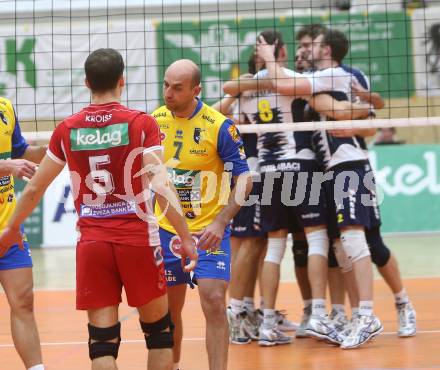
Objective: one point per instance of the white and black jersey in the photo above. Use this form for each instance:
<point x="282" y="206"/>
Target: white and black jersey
<point x="277" y="151"/>
<point x="332" y="151"/>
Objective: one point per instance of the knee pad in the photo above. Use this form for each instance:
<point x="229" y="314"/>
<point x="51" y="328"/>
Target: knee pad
<point x="300" y="251"/>
<point x="318" y="242"/>
<point x="341" y="257"/>
<point x="380" y="254"/>
<point x="354" y="244"/>
<point x="155" y="336"/>
<point x="275" y="250"/>
<point x="101" y="346"/>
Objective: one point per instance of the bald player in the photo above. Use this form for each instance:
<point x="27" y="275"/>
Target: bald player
<point x="202" y="150"/>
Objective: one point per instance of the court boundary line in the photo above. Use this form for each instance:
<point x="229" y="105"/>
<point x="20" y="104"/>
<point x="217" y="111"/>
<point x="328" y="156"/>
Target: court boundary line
<point x="190" y="339"/>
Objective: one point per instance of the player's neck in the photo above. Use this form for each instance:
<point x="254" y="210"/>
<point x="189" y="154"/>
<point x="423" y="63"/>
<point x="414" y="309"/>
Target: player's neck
<point x="186" y="113"/>
<point x="327" y="63"/>
<point x="106" y="97"/>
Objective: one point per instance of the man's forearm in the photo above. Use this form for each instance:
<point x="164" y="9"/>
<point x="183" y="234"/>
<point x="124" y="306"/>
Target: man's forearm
<point x="34" y="153"/>
<point x="28" y="200"/>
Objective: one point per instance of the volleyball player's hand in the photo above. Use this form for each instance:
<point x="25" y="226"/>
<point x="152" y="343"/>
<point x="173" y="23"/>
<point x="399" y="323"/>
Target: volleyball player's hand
<point x="211" y="237"/>
<point x="22" y="168"/>
<point x="10" y="237"/>
<point x="188" y="250"/>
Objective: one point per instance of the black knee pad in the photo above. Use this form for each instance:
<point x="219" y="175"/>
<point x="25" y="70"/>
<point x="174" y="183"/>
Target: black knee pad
<point x="155" y="336"/>
<point x="332" y="261"/>
<point x="300" y="250"/>
<point x="380" y="254"/>
<point x="101" y="347"/>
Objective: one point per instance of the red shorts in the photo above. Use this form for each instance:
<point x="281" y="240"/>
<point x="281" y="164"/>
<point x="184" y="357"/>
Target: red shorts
<point x="103" y="268"/>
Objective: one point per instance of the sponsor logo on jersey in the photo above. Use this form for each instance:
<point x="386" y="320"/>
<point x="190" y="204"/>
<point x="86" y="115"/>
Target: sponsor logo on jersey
<point x="234" y="133"/>
<point x="99" y="138"/>
<point x="190" y="214"/>
<point x="5" y="180"/>
<point x="163" y="136"/>
<point x="208" y="118"/>
<point x="179" y="134"/>
<point x="160" y="114"/>
<point x="221" y="265"/>
<point x="107" y="209"/>
<point x="98" y="118"/>
<point x="199" y="152"/>
<point x="10" y="198"/>
<point x="184" y="178"/>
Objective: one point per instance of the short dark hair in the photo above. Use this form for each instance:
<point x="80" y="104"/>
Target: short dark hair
<point x="104" y="67"/>
<point x="338" y="43"/>
<point x="271" y="36"/>
<point x="312" y="30"/>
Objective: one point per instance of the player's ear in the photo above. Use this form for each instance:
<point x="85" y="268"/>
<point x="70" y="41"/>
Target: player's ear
<point x="197" y="90"/>
<point x="121" y="82"/>
<point x="87" y="83"/>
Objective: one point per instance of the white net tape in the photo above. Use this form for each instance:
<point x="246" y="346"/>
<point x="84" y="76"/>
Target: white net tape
<point x="302" y="126"/>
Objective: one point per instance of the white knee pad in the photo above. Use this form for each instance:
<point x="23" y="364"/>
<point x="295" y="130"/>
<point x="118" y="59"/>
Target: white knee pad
<point x="275" y="250"/>
<point x="355" y="244"/>
<point x="344" y="263"/>
<point x="318" y="242"/>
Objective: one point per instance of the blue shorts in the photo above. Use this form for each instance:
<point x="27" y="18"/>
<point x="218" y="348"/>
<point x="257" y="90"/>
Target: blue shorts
<point x="293" y="204"/>
<point x="247" y="222"/>
<point x="16" y="258"/>
<point x="211" y="265"/>
<point x="360" y="208"/>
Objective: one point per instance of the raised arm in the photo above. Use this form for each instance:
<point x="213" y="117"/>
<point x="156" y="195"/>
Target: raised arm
<point x="236" y="87"/>
<point x="371" y="97"/>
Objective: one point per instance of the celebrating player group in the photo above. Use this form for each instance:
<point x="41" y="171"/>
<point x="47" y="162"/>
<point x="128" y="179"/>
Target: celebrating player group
<point x="179" y="198"/>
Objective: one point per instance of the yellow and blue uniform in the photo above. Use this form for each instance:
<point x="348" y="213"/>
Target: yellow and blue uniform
<point x="12" y="145"/>
<point x="200" y="152"/>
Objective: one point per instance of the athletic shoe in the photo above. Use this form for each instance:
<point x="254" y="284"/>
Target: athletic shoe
<point x="363" y="328"/>
<point x="339" y="320"/>
<point x="407" y="320"/>
<point x="272" y="336"/>
<point x="301" y="332"/>
<point x="251" y="324"/>
<point x="321" y="327"/>
<point x="283" y="323"/>
<point x="260" y="317"/>
<point x="347" y="330"/>
<point x="236" y="332"/>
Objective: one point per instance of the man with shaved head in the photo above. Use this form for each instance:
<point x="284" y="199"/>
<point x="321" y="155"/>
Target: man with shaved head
<point x="202" y="149"/>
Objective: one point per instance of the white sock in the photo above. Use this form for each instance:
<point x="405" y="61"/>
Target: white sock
<point x="365" y="308"/>
<point x="236" y="305"/>
<point x="401" y="297"/>
<point x="339" y="308"/>
<point x="318" y="307"/>
<point x="37" y="367"/>
<point x="248" y="304"/>
<point x="176" y="366"/>
<point x="269" y="318"/>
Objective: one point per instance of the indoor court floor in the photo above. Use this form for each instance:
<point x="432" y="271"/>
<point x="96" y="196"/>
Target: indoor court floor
<point x="64" y="334"/>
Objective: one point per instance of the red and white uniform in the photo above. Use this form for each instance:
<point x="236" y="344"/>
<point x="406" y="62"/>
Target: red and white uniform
<point x="119" y="242"/>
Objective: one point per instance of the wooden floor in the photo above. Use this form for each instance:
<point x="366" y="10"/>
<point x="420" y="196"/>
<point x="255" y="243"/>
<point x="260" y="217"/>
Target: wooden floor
<point x="63" y="334"/>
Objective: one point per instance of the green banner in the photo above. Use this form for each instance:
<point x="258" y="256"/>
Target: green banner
<point x="408" y="178"/>
<point x="33" y="226"/>
<point x="380" y="46"/>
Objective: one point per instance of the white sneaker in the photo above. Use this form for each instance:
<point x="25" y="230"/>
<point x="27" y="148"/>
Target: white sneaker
<point x="347" y="330"/>
<point x="363" y="328"/>
<point x="251" y="324"/>
<point x="236" y="333"/>
<point x="407" y="320"/>
<point x="339" y="320"/>
<point x="272" y="336"/>
<point x="301" y="332"/>
<point x="321" y="327"/>
<point x="283" y="323"/>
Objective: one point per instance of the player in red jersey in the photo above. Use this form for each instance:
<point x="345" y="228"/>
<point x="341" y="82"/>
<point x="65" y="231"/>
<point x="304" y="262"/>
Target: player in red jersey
<point x="114" y="156"/>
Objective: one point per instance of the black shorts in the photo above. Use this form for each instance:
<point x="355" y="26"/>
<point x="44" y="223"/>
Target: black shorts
<point x="247" y="222"/>
<point x="290" y="203"/>
<point x="351" y="197"/>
